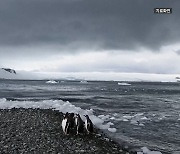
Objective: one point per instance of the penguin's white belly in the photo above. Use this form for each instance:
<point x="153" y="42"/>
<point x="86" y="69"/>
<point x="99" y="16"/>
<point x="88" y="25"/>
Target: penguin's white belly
<point x="76" y="121"/>
<point x="86" y="125"/>
<point x="64" y="122"/>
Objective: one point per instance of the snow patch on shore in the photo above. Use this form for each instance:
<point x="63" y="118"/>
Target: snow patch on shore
<point x="59" y="105"/>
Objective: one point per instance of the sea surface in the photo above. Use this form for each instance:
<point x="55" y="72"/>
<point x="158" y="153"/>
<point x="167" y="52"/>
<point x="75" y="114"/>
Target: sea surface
<point x="143" y="113"/>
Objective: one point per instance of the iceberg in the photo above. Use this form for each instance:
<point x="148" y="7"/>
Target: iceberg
<point x="123" y="84"/>
<point x="83" y="81"/>
<point x="52" y="81"/>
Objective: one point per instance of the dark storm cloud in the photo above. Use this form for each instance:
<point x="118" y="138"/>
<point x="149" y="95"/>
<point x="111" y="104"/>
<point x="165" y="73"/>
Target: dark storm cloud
<point x="106" y="24"/>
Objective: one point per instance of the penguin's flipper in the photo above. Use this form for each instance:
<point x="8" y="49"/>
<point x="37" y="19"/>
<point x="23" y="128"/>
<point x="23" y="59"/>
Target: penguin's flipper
<point x="88" y="126"/>
<point x="67" y="129"/>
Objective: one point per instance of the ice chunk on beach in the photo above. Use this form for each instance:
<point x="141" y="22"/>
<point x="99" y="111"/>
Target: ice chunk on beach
<point x="61" y="106"/>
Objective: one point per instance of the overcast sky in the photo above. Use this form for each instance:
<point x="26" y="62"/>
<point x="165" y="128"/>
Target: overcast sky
<point x="90" y="36"/>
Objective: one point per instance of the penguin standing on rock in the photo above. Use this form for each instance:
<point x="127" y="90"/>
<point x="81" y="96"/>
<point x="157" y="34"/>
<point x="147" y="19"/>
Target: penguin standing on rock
<point x="65" y="123"/>
<point x="71" y="120"/>
<point x="79" y="124"/>
<point x="88" y="124"/>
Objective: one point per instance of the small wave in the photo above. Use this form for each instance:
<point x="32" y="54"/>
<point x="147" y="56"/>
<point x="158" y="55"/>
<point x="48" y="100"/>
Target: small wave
<point x="61" y="106"/>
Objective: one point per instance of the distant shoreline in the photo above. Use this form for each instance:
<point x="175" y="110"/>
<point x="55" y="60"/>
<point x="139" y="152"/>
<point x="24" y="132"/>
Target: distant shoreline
<point x="88" y="76"/>
<point x="90" y="80"/>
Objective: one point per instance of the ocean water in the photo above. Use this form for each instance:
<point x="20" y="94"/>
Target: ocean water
<point x="144" y="114"/>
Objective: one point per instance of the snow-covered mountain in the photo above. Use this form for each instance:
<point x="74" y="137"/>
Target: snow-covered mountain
<point x="8" y="73"/>
<point x="9" y="70"/>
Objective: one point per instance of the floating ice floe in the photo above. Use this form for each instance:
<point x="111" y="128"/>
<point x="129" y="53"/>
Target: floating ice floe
<point x="104" y="117"/>
<point x="123" y="84"/>
<point x="61" y="106"/>
<point x="145" y="150"/>
<point x="113" y="130"/>
<point x="51" y="81"/>
<point x="136" y="119"/>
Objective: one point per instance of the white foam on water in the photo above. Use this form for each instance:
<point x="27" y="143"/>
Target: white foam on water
<point x="61" y="106"/>
<point x="145" y="150"/>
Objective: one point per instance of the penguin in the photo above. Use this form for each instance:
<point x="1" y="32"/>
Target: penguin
<point x="71" y="120"/>
<point x="88" y="124"/>
<point x="65" y="123"/>
<point x="79" y="124"/>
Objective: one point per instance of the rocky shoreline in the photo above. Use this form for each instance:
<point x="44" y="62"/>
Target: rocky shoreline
<point x="39" y="131"/>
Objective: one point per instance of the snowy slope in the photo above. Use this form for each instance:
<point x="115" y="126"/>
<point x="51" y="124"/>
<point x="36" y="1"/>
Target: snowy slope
<point x="7" y="73"/>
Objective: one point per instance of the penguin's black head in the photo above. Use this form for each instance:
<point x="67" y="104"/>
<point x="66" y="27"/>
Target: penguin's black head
<point x="76" y="115"/>
<point x="86" y="116"/>
<point x="66" y="115"/>
<point x="71" y="115"/>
